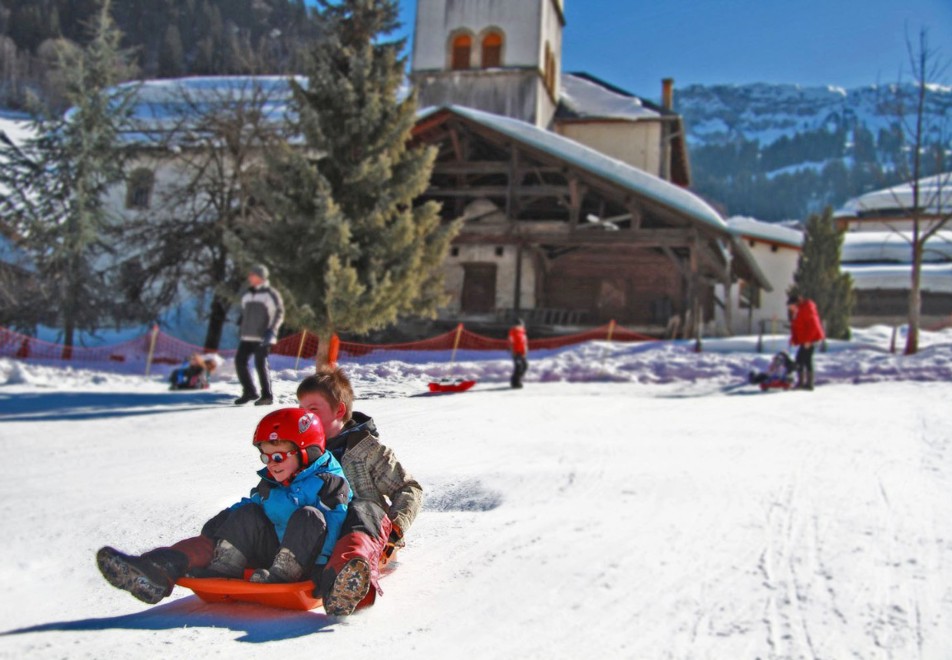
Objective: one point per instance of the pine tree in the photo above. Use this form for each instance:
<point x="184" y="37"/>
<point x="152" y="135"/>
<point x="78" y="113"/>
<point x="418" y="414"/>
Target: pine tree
<point x="818" y="275"/>
<point x="56" y="183"/>
<point x="348" y="245"/>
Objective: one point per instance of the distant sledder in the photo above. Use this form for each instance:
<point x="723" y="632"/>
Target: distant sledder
<point x="779" y="374"/>
<point x="195" y="372"/>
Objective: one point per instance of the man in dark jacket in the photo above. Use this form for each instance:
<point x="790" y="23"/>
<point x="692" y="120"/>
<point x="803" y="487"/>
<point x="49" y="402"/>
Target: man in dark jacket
<point x="262" y="312"/>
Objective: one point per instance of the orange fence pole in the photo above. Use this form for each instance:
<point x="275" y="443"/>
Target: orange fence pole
<point x="148" y="361"/>
<point x="459" y="332"/>
<point x="333" y="350"/>
<point x="611" y="329"/>
<point x="300" y="349"/>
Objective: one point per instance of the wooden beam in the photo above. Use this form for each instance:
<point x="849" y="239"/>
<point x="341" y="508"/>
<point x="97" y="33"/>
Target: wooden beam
<point x="679" y="263"/>
<point x="457" y="144"/>
<point x="636" y="216"/>
<point x="513" y="178"/>
<point x="497" y="191"/>
<point x="653" y="238"/>
<point x="483" y="167"/>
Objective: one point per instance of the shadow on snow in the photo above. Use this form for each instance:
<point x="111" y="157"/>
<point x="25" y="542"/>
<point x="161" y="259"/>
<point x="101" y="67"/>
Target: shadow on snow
<point x="259" y="624"/>
<point x="30" y="406"/>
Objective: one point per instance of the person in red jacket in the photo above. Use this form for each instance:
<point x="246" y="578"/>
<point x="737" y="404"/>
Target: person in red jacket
<point x="806" y="330"/>
<point x="519" y="347"/>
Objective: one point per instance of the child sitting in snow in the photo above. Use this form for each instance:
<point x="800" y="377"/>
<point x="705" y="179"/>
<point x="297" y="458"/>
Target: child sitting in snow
<point x="778" y="374"/>
<point x="290" y="522"/>
<point x="194" y="372"/>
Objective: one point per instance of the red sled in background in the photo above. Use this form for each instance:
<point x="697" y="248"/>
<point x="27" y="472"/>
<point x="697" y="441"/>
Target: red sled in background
<point x="779" y="375"/>
<point x="451" y="385"/>
<point x="776" y="385"/>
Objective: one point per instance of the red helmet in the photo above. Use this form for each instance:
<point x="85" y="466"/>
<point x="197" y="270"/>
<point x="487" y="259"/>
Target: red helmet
<point x="296" y="425"/>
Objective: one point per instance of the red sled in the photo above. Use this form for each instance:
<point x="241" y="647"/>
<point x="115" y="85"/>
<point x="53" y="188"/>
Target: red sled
<point x="775" y="385"/>
<point x="452" y="386"/>
<point x="288" y="595"/>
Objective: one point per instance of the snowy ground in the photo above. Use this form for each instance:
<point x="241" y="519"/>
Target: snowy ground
<point x="628" y="503"/>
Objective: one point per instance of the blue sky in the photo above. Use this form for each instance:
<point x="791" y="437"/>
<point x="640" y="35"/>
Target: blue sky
<point x="635" y="43"/>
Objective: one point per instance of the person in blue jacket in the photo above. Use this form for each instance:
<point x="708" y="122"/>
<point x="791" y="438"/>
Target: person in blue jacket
<point x="287" y="527"/>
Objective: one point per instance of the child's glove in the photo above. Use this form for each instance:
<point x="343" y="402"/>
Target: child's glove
<point x="268" y="337"/>
<point x="394" y="541"/>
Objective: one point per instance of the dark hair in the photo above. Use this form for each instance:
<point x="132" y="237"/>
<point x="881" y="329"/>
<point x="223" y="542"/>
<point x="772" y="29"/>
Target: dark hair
<point x="333" y="384"/>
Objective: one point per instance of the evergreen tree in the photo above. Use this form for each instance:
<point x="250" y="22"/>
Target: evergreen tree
<point x="818" y="275"/>
<point x="55" y="184"/>
<point x="171" y="58"/>
<point x="349" y="246"/>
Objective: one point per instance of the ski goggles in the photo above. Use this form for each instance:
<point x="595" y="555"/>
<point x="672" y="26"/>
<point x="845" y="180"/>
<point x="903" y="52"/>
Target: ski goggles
<point x="277" y="456"/>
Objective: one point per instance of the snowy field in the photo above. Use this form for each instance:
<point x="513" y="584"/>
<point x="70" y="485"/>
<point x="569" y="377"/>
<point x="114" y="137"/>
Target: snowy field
<point x="631" y="502"/>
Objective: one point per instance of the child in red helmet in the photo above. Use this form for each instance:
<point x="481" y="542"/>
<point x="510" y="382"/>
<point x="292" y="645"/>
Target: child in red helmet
<point x="287" y="526"/>
<point x="387" y="499"/>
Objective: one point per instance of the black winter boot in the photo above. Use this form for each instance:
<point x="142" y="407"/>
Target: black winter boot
<point x="149" y="577"/>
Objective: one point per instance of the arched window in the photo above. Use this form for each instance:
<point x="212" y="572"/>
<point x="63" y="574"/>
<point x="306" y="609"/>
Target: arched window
<point x="462" y="47"/>
<point x="492" y="50"/>
<point x="139" y="188"/>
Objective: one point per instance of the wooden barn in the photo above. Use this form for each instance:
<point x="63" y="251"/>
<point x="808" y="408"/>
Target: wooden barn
<point x="560" y="234"/>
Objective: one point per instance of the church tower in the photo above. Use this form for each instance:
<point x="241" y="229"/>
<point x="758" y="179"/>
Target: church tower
<point x="501" y="56"/>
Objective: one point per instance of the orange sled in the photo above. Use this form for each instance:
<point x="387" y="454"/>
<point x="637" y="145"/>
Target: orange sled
<point x="289" y="595"/>
<point x="452" y="386"/>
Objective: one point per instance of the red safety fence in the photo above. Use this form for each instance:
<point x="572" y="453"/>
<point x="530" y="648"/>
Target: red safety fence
<point x="156" y="347"/>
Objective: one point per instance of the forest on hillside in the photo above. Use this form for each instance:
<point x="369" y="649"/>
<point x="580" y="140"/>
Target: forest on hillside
<point x="778" y="152"/>
<point x="792" y="178"/>
<point x="167" y="38"/>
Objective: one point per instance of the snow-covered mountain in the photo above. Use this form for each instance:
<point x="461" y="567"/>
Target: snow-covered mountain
<point x="764" y="113"/>
<point x="784" y="151"/>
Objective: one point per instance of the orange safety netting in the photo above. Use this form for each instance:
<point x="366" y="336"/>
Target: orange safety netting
<point x="156" y="347"/>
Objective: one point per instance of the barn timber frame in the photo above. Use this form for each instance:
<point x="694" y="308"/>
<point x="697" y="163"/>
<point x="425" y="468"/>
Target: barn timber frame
<point x="592" y="236"/>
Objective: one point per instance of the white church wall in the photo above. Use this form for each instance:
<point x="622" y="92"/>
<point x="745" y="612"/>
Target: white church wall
<point x="436" y="19"/>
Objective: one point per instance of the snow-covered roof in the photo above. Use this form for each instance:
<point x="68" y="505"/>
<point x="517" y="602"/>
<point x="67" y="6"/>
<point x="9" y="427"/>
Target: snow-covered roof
<point x="16" y="127"/>
<point x="162" y="105"/>
<point x="936" y="278"/>
<point x="765" y="231"/>
<point x="893" y="247"/>
<point x="582" y="97"/>
<point x="935" y="197"/>
<point x="610" y="169"/>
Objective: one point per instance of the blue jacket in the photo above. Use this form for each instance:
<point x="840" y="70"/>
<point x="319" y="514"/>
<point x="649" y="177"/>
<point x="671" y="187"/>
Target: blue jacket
<point x="321" y="485"/>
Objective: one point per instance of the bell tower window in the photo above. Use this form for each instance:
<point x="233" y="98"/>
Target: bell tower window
<point x="462" y="50"/>
<point x="492" y="50"/>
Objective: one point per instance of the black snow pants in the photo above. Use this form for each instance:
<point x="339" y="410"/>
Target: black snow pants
<point x="249" y="529"/>
<point x="260" y="350"/>
<point x="519" y="367"/>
